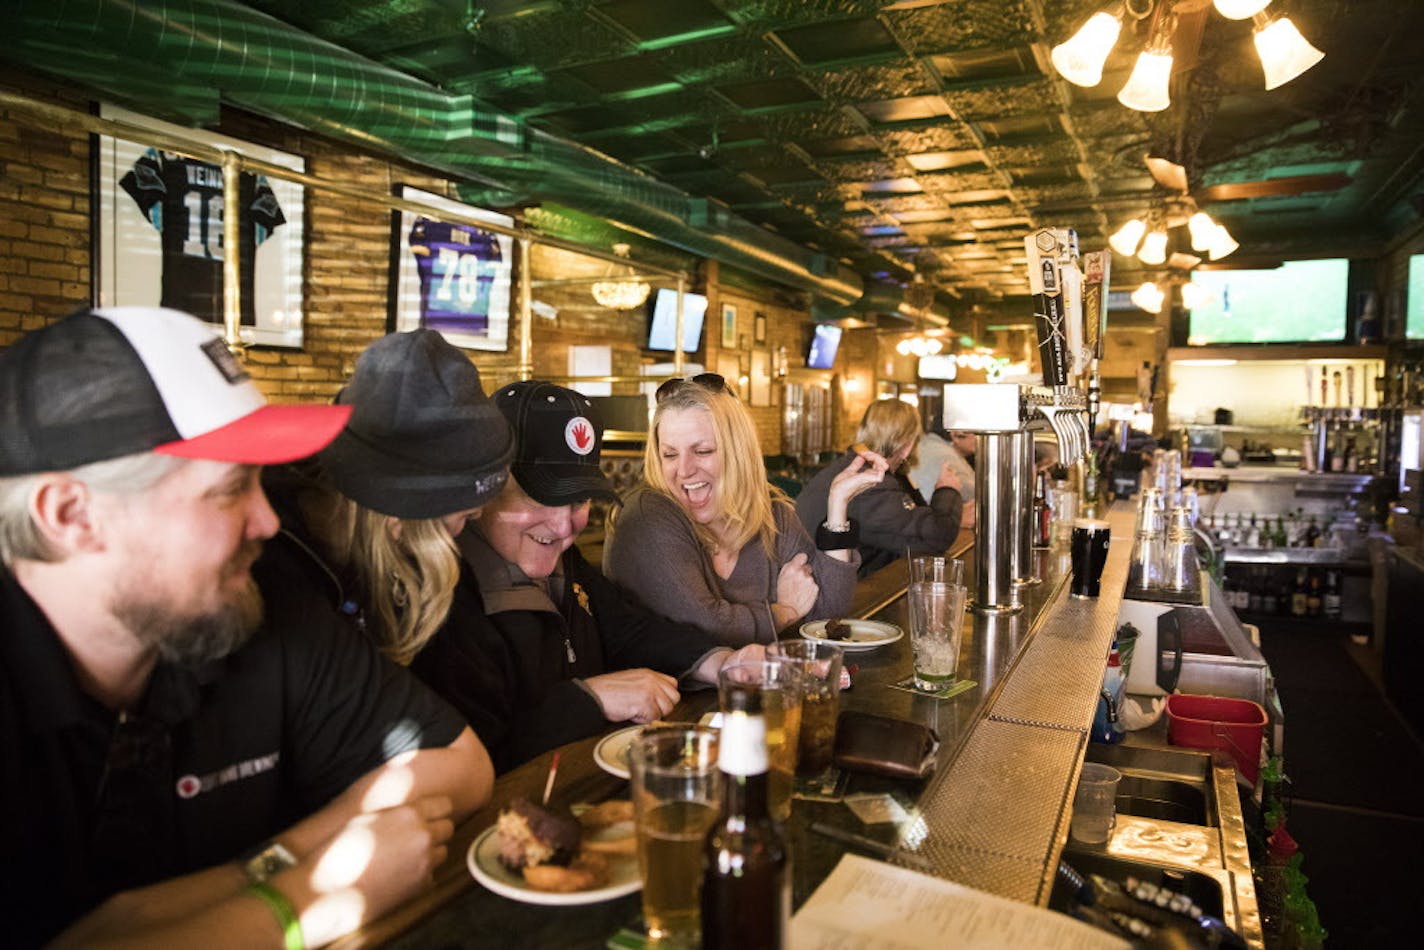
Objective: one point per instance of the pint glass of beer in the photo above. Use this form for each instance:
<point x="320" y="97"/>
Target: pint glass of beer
<point x="820" y="664"/>
<point x="676" y="797"/>
<point x="779" y="682"/>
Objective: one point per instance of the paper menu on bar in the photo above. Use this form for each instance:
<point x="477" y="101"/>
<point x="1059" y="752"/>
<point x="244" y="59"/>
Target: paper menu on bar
<point x="871" y="904"/>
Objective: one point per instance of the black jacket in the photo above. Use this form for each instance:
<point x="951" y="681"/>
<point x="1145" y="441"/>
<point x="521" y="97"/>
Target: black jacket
<point x="891" y="517"/>
<point x="514" y="674"/>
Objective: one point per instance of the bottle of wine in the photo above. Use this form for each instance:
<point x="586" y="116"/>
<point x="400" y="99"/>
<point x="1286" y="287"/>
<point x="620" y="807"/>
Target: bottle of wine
<point x="1299" y="595"/>
<point x="1331" y="601"/>
<point x="1314" y="601"/>
<point x="746" y="876"/>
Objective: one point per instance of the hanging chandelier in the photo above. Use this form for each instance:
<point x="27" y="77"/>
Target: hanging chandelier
<point x="625" y="292"/>
<point x="1147" y="238"/>
<point x="1284" y="53"/>
<point x="919" y="346"/>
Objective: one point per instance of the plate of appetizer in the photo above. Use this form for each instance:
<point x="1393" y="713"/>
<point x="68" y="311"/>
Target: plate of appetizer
<point x="852" y="634"/>
<point x="541" y="856"/>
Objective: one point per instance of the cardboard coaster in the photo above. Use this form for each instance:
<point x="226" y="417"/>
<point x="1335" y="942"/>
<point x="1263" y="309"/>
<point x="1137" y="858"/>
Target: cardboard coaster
<point x="829" y="786"/>
<point x="959" y="686"/>
<point x="876" y="809"/>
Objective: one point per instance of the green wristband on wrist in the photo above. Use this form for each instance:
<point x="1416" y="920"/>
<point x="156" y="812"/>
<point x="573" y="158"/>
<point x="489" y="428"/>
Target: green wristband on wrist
<point x="285" y="913"/>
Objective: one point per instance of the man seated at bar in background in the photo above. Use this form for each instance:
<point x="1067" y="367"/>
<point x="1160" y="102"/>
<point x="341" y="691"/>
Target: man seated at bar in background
<point x="182" y="762"/>
<point x="540" y="648"/>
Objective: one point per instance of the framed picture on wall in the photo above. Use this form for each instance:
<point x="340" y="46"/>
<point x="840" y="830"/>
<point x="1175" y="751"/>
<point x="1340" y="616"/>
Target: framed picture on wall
<point x="159" y="218"/>
<point x="729" y="326"/>
<point x="449" y="274"/>
<point x="759" y="328"/>
<point x="760" y="379"/>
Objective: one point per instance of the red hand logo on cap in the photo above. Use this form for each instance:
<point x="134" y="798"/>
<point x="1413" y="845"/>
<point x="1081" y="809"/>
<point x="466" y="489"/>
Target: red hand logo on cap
<point x="582" y="435"/>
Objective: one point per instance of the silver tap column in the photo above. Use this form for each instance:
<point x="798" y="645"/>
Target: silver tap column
<point x="993" y="542"/>
<point x="1021" y="524"/>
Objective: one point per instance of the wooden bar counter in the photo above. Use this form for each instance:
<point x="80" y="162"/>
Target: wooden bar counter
<point x="993" y="815"/>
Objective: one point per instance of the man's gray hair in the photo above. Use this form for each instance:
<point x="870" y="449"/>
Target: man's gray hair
<point x="20" y="538"/>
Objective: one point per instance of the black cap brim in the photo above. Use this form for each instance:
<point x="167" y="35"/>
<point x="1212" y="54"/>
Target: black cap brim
<point x="396" y="487"/>
<point x="555" y="485"/>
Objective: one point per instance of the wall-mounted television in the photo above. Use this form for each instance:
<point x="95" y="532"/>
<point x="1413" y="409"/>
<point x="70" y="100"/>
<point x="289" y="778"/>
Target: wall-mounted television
<point x="1299" y="301"/>
<point x="1414" y="299"/>
<point x="662" y="320"/>
<point x="825" y="340"/>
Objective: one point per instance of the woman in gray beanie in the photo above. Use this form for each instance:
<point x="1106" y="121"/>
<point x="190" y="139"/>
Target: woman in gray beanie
<point x="372" y="519"/>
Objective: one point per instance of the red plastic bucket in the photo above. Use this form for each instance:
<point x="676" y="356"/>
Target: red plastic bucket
<point x="1218" y="722"/>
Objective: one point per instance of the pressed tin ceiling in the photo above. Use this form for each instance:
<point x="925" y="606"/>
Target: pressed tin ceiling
<point x="896" y="135"/>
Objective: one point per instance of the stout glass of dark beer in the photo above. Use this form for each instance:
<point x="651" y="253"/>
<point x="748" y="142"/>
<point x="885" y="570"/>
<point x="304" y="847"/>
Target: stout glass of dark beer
<point x="1089" y="553"/>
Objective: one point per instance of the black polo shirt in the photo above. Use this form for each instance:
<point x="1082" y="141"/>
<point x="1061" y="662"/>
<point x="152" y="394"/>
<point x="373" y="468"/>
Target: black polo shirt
<point x="212" y="762"/>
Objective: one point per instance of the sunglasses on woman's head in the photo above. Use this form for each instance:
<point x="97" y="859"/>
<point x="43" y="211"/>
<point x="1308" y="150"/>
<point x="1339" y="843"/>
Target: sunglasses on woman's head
<point x="712" y="382"/>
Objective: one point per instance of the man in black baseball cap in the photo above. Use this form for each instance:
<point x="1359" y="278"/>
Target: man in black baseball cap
<point x="163" y="731"/>
<point x="540" y="648"/>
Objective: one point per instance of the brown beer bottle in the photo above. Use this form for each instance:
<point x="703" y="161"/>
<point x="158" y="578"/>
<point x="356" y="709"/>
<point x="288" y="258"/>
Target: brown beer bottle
<point x="746" y="877"/>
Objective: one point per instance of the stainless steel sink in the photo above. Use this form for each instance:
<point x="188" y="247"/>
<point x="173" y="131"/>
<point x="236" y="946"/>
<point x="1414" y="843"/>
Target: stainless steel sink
<point x="1162" y="783"/>
<point x="1179" y="825"/>
<point x="1168" y="800"/>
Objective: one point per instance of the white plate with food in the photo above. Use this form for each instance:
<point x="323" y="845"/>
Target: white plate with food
<point x="611" y="753"/>
<point x="852" y="634"/>
<point x="622" y="876"/>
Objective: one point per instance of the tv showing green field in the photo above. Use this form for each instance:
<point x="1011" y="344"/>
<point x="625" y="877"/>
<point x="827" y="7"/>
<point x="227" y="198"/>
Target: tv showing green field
<point x="1300" y="301"/>
<point x="1414" y="305"/>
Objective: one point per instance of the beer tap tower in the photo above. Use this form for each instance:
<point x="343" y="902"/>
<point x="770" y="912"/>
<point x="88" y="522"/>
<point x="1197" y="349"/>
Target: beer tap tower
<point x="1003" y="416"/>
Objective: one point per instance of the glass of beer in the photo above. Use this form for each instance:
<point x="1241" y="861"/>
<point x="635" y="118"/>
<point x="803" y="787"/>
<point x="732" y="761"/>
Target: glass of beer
<point x="676" y="797"/>
<point x="820" y="664"/>
<point x="779" y="682"/>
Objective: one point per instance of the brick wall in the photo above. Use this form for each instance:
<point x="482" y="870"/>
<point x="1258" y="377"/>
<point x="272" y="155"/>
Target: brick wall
<point x="46" y="271"/>
<point x="44" y="222"/>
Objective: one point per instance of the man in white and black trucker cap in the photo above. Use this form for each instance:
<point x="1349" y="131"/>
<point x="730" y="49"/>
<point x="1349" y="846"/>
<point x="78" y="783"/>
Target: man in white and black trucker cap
<point x="177" y="759"/>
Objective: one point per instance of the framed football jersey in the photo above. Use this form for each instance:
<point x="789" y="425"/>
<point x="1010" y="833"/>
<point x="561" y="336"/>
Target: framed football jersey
<point x="451" y="275"/>
<point x="160" y="223"/>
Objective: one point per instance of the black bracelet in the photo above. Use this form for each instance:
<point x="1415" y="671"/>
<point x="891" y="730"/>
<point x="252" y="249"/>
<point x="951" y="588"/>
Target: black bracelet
<point x="848" y="540"/>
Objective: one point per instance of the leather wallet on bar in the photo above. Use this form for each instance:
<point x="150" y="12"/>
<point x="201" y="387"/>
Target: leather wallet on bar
<point x="896" y="748"/>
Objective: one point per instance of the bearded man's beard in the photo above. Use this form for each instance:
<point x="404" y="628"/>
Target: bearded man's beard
<point x="190" y="639"/>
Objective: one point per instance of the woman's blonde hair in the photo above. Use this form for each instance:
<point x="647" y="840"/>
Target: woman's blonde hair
<point x="406" y="568"/>
<point x="888" y="426"/>
<point x="743" y="497"/>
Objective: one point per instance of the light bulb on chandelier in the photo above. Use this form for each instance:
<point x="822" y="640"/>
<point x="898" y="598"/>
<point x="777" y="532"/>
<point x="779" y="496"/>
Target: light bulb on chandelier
<point x="620" y="293"/>
<point x="1149" y="297"/>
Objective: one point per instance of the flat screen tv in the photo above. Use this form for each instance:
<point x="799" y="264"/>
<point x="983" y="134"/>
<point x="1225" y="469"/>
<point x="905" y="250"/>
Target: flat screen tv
<point x="1414" y="299"/>
<point x="662" y="323"/>
<point x="1299" y="301"/>
<point x="824" y="342"/>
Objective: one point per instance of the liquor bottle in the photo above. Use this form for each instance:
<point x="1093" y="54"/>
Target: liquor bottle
<point x="1312" y="535"/>
<point x="746" y="875"/>
<point x="1270" y="600"/>
<point x="1313" y="598"/>
<point x="1298" y="595"/>
<point x="1331" y="601"/>
<point x="1352" y="455"/>
<point x="1253" y="533"/>
<point x="1281" y="539"/>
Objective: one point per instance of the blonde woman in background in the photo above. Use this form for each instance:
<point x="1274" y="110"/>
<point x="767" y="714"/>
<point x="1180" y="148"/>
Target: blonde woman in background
<point x="891" y="516"/>
<point x="708" y="541"/>
<point x="371" y="521"/>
